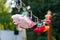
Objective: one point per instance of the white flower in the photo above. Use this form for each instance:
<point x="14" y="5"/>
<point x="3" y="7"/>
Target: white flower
<point x="28" y="7"/>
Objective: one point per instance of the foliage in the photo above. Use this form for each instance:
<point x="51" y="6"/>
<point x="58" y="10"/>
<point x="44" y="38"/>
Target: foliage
<point x="5" y="18"/>
<point x="40" y="7"/>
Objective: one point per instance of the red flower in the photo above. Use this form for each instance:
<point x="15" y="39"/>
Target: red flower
<point x="39" y="29"/>
<point x="50" y="17"/>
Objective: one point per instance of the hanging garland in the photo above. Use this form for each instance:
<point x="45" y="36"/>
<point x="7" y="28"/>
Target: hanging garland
<point x="41" y="26"/>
